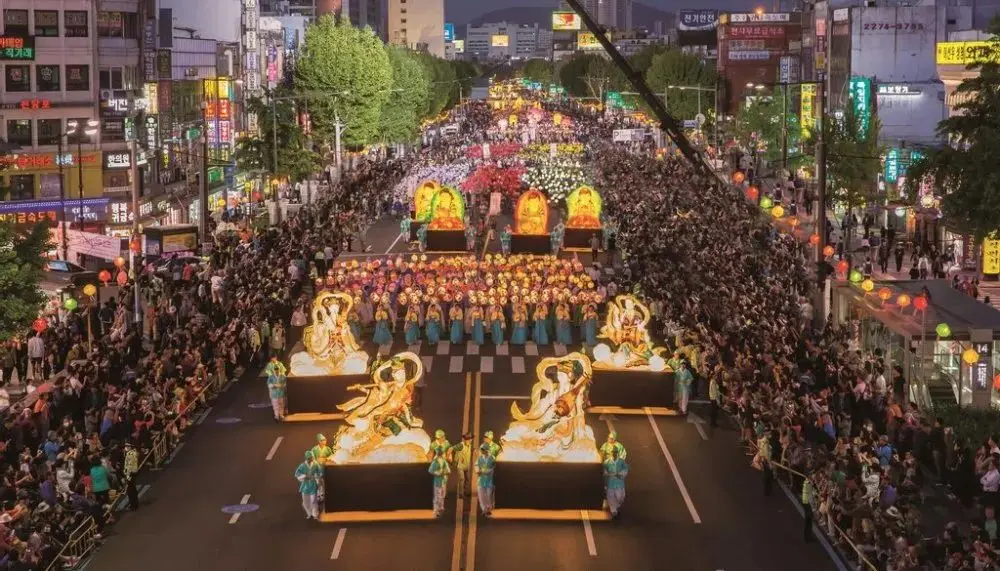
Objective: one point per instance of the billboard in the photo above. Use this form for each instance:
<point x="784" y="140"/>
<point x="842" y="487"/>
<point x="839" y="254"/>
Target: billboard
<point x="459" y="46"/>
<point x="566" y="22"/>
<point x="964" y="53"/>
<point x="587" y="41"/>
<point x="764" y="17"/>
<point x="860" y="93"/>
<point x="756" y="32"/>
<point x="807" y="117"/>
<point x="449" y="32"/>
<point x="500" y="41"/>
<point x="697" y="20"/>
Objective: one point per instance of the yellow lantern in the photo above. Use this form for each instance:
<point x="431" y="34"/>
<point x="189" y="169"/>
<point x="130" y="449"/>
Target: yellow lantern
<point x="778" y="211"/>
<point x="867" y="285"/>
<point x="90" y="289"/>
<point x="970" y="356"/>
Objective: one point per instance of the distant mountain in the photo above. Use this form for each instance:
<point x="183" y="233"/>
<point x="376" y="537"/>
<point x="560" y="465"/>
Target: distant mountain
<point x="543" y="17"/>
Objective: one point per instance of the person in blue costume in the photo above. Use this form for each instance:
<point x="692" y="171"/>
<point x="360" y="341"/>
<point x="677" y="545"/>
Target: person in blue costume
<point x="432" y="322"/>
<point x="404" y="228"/>
<point x="383" y="334"/>
<point x="505" y="235"/>
<point x="564" y="331"/>
<point x="588" y="325"/>
<point x="354" y="320"/>
<point x="457" y="326"/>
<point x="440" y="469"/>
<point x="277" y="386"/>
<point x="497" y="323"/>
<point x="485" y="465"/>
<point x="309" y="474"/>
<point x="541" y="330"/>
<point x="615" y="471"/>
<point x="519" y="329"/>
<point x="422" y="237"/>
<point x="412" y="326"/>
<point x="478" y="330"/>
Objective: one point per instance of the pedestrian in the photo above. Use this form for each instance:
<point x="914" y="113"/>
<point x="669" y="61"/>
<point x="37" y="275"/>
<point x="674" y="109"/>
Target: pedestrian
<point x="809" y="501"/>
<point x="308" y="475"/>
<point x="276" y="385"/>
<point x="715" y="397"/>
<point x="440" y="469"/>
<point x="485" y="488"/>
<point x="595" y="247"/>
<point x="461" y="453"/>
<point x="764" y="454"/>
<point x="615" y="471"/>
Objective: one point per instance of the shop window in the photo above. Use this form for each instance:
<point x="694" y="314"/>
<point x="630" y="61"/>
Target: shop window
<point x="47" y="77"/>
<point x="18" y="78"/>
<point x="75" y="23"/>
<point x="77" y="78"/>
<point x="47" y="23"/>
<point x="19" y="131"/>
<point x="50" y="185"/>
<point x="22" y="187"/>
<point x="49" y="131"/>
<point x="15" y="22"/>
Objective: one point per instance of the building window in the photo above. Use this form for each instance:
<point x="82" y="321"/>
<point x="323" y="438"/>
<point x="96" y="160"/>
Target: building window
<point x="19" y="131"/>
<point x="22" y="186"/>
<point x="47" y="77"/>
<point x="49" y="131"/>
<point x="112" y="78"/>
<point x="15" y="22"/>
<point x="77" y="78"/>
<point x="47" y="23"/>
<point x="75" y="23"/>
<point x="18" y="78"/>
<point x="82" y="136"/>
<point x="109" y="24"/>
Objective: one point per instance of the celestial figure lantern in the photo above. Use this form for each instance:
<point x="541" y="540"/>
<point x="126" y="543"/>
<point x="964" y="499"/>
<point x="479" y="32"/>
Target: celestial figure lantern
<point x="584" y="205"/>
<point x="532" y="213"/>
<point x="422" y="198"/>
<point x="447" y="210"/>
<point x="380" y="426"/>
<point x="626" y="327"/>
<point x="554" y="428"/>
<point x="331" y="348"/>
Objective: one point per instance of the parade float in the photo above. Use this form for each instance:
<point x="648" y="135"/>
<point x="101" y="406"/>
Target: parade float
<point x="380" y="454"/>
<point x="420" y="212"/>
<point x="326" y="361"/>
<point x="446" y="222"/>
<point x="531" y="224"/>
<point x="583" y="220"/>
<point x="630" y="371"/>
<point x="549" y="459"/>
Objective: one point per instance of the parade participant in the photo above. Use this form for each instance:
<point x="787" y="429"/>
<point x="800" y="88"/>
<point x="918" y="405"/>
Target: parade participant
<point x="470" y="237"/>
<point x="488" y="442"/>
<point x="354" y="319"/>
<point x="612" y="445"/>
<point x="322" y="450"/>
<point x="615" y="471"/>
<point x="440" y="469"/>
<point x="540" y="327"/>
<point x="412" y="327"/>
<point x="485" y="488"/>
<point x="383" y="335"/>
<point x="478" y="330"/>
<point x="497" y="323"/>
<point x="519" y="331"/>
<point x="564" y="332"/>
<point x="683" y="379"/>
<point x="422" y="237"/>
<point x="432" y="322"/>
<point x="556" y="238"/>
<point x="440" y="443"/>
<point x="130" y="471"/>
<point x="276" y="385"/>
<point x="404" y="227"/>
<point x="461" y="454"/>
<point x="308" y="474"/>
<point x="588" y="325"/>
<point x="455" y="314"/>
<point x="505" y="236"/>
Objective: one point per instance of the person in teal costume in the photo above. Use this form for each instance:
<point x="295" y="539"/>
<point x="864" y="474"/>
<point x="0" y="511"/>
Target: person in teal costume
<point x="412" y="327"/>
<point x="519" y="329"/>
<point x="485" y="465"/>
<point x="440" y="469"/>
<point x="541" y="332"/>
<point x="497" y="324"/>
<point x="354" y="321"/>
<point x="383" y="335"/>
<point x="457" y="327"/>
<point x="588" y="325"/>
<point x="505" y="240"/>
<point x="309" y="474"/>
<point x="615" y="471"/>
<point x="422" y="237"/>
<point x="478" y="330"/>
<point x="564" y="332"/>
<point x="432" y="327"/>
<point x="404" y="227"/>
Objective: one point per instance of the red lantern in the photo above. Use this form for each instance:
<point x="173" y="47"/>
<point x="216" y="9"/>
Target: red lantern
<point x="119" y="262"/>
<point x="39" y="325"/>
<point x="104" y="276"/>
<point x="842" y="267"/>
<point x="996" y="381"/>
<point x="828" y="251"/>
<point x="920" y="303"/>
<point x="739" y="177"/>
<point x="813" y="239"/>
<point x="135" y="246"/>
<point x="122" y="278"/>
<point x="256" y="196"/>
<point x="753" y="193"/>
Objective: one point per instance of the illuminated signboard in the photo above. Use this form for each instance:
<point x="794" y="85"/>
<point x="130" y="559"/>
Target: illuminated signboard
<point x="35" y="104"/>
<point x="500" y="41"/>
<point x="898" y="89"/>
<point x="459" y="46"/>
<point x="151" y="94"/>
<point x="33" y="162"/>
<point x="964" y="53"/>
<point x="565" y="22"/>
<point x="893" y="26"/>
<point x="807" y="116"/>
<point x="698" y="20"/>
<point x="860" y="92"/>
<point x="587" y="41"/>
<point x="115" y="160"/>
<point x="449" y="32"/>
<point x="762" y="55"/>
<point x="755" y="32"/>
<point x="765" y="17"/>
<point x="17" y="48"/>
<point x="29" y="217"/>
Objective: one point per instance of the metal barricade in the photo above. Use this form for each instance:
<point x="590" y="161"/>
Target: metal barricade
<point x="80" y="543"/>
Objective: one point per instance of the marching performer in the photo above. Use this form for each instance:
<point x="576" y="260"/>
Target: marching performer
<point x="497" y="323"/>
<point x="440" y="469"/>
<point x="588" y="326"/>
<point x="485" y="465"/>
<point x="488" y="442"/>
<point x="455" y="314"/>
<point x="611" y="445"/>
<point x="322" y="450"/>
<point x="615" y="471"/>
<point x="505" y="236"/>
<point x="309" y="474"/>
<point x="683" y="378"/>
<point x="541" y="332"/>
<point x="383" y="336"/>
<point x="461" y="454"/>
<point x="440" y="444"/>
<point x="432" y="324"/>
<point x="478" y="331"/>
<point x="412" y="327"/>
<point x="276" y="385"/>
<point x="519" y="333"/>
<point x="564" y="333"/>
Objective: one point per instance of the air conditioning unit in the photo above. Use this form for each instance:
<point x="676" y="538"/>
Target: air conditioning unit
<point x="107" y="94"/>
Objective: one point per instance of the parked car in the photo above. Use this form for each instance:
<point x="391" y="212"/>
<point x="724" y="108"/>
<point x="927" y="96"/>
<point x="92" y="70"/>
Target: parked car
<point x="61" y="274"/>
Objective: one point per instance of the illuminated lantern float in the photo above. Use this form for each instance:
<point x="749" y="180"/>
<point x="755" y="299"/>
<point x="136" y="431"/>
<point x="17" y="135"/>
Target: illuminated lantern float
<point x="630" y="370"/>
<point x="326" y="362"/>
<point x="420" y="210"/>
<point x="382" y="451"/>
<point x="583" y="218"/>
<point x="446" y="222"/>
<point x="531" y="225"/>
<point x="549" y="461"/>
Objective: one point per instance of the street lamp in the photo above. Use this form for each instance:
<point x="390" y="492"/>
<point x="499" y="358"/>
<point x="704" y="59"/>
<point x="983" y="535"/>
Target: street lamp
<point x="74" y="129"/>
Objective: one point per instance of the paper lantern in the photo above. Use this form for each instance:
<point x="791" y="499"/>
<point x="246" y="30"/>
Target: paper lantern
<point x="657" y="364"/>
<point x="119" y="262"/>
<point x="827" y="250"/>
<point x="970" y="356"/>
<point x="104" y="276"/>
<point x="90" y="290"/>
<point x="602" y="352"/>
<point x="766" y="203"/>
<point x="855" y="276"/>
<point x="884" y="294"/>
<point x="996" y="382"/>
<point x="70" y="304"/>
<point x="814" y="240"/>
<point x="122" y="278"/>
<point x="39" y="325"/>
<point x="943" y="330"/>
<point x="135" y="246"/>
<point x="867" y="286"/>
<point x="738" y="177"/>
<point x="903" y="300"/>
<point x="778" y="211"/>
<point x="842" y="267"/>
<point x="753" y="193"/>
<point x="920" y="302"/>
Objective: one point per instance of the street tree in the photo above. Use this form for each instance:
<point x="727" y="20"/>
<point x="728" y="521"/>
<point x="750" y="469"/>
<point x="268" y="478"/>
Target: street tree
<point x="538" y="70"/>
<point x="442" y="81"/>
<point x="281" y="123"/>
<point x="22" y="258"/>
<point x="671" y="71"/>
<point x="853" y="159"/>
<point x="964" y="172"/>
<point x="408" y="100"/>
<point x="642" y="60"/>
<point x="343" y="72"/>
<point x="589" y="75"/>
<point x="758" y="128"/>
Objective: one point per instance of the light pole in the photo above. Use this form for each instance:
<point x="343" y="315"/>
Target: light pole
<point x="699" y="89"/>
<point x="77" y="131"/>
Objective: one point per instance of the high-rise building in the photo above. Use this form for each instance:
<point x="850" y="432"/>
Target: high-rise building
<point x="623" y="15"/>
<point x="418" y="24"/>
<point x="366" y="13"/>
<point x="503" y="40"/>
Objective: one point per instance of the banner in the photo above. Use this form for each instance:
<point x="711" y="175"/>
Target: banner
<point x="964" y="53"/>
<point x="187" y="242"/>
<point x="97" y="245"/>
<point x="698" y="20"/>
<point x="991" y="256"/>
<point x="807" y="117"/>
<point x="860" y="92"/>
<point x="587" y="41"/>
<point x="500" y="41"/>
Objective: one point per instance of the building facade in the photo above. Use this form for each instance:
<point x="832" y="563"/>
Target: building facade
<point x="504" y="40"/>
<point x="417" y="24"/>
<point x="757" y="49"/>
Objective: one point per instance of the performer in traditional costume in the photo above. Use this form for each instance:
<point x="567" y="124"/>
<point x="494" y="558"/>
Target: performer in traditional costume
<point x="470" y="237"/>
<point x="519" y="329"/>
<point x="491" y="444"/>
<point x="457" y="330"/>
<point x="564" y="331"/>
<point x="683" y="379"/>
<point x="588" y="325"/>
<point x="497" y="323"/>
<point x="404" y="227"/>
<point x="615" y="471"/>
<point x="383" y="334"/>
<point x="440" y="469"/>
<point x="309" y="474"/>
<point x="461" y="454"/>
<point x="485" y="465"/>
<point x="540" y="326"/>
<point x="354" y="320"/>
<point x="505" y="236"/>
<point x="612" y="445"/>
<point x="276" y="387"/>
<point x="432" y="322"/>
<point x="322" y="450"/>
<point x="412" y="327"/>
<point x="439" y="444"/>
<point x="478" y="330"/>
<point x="422" y="237"/>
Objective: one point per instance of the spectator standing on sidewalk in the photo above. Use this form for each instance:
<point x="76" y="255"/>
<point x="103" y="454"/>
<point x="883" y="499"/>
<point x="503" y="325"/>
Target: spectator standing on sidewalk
<point x="809" y="502"/>
<point x="130" y="470"/>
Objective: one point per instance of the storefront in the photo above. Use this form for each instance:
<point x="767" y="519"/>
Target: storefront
<point x="36" y="176"/>
<point x="91" y="213"/>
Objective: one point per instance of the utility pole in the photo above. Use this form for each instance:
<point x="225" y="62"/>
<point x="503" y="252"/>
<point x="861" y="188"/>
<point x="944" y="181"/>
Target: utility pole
<point x="133" y="265"/>
<point x="820" y="224"/>
<point x="784" y="127"/>
<point x="339" y="132"/>
<point x="274" y="133"/>
<point x="62" y="199"/>
<point x="203" y="187"/>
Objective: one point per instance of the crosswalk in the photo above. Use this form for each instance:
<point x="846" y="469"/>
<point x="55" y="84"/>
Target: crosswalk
<point x="458" y="358"/>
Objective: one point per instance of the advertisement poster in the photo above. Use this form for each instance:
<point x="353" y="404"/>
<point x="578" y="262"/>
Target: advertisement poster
<point x="991" y="256"/>
<point x="565" y="22"/>
<point x="860" y="91"/>
<point x="807" y="116"/>
<point x="187" y="242"/>
<point x="587" y="41"/>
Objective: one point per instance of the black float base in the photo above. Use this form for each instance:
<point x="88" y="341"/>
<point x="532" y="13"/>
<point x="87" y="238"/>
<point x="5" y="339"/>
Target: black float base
<point x="320" y="395"/>
<point x="414" y="226"/>
<point x="631" y="389"/>
<point x="549" y="486"/>
<point x="445" y="241"/>
<point x="530" y="244"/>
<point x="580" y="237"/>
<point x="377" y="487"/>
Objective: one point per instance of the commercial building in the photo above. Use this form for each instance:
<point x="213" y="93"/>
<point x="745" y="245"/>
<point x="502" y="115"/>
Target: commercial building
<point x="616" y="14"/>
<point x="503" y="40"/>
<point x="952" y="58"/>
<point x="697" y="31"/>
<point x="757" y="48"/>
<point x="633" y="42"/>
<point x="301" y="8"/>
<point x="417" y="24"/>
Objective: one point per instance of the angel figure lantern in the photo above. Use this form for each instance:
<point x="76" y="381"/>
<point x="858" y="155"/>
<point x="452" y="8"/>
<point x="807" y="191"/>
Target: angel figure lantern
<point x="331" y="348"/>
<point x="627" y="329"/>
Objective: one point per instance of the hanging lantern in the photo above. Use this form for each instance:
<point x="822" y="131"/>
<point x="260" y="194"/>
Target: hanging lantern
<point x="920" y="303"/>
<point x="753" y="193"/>
<point x="867" y="286"/>
<point x="90" y="290"/>
<point x="884" y="294"/>
<point x="903" y="300"/>
<point x="135" y="246"/>
<point x="766" y="203"/>
<point x="104" y="276"/>
<point x="827" y="250"/>
<point x="39" y="325"/>
<point x="943" y="330"/>
<point x="970" y="356"/>
<point x="738" y="177"/>
<point x="119" y="262"/>
<point x="70" y="304"/>
<point x="996" y="382"/>
<point x="856" y="276"/>
<point x="814" y="241"/>
<point x="778" y="211"/>
<point x="122" y="278"/>
<point x="842" y="267"/>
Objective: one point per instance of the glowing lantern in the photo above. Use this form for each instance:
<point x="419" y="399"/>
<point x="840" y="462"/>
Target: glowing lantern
<point x="903" y="300"/>
<point x="656" y="363"/>
<point x="867" y="286"/>
<point x="70" y="304"/>
<point x="827" y="250"/>
<point x="134" y="245"/>
<point x="90" y="290"/>
<point x="794" y="222"/>
<point x="738" y="177"/>
<point x="970" y="356"/>
<point x="927" y="201"/>
<point x="39" y="325"/>
<point x="753" y="193"/>
<point x="884" y="294"/>
<point x="842" y="267"/>
<point x="943" y="330"/>
<point x="766" y="203"/>
<point x="900" y="211"/>
<point x="996" y="381"/>
<point x="104" y="276"/>
<point x="602" y="352"/>
<point x="920" y="303"/>
<point x="778" y="211"/>
<point x="122" y="278"/>
<point x="119" y="262"/>
<point x="814" y="240"/>
<point x="855" y="276"/>
<point x="619" y="359"/>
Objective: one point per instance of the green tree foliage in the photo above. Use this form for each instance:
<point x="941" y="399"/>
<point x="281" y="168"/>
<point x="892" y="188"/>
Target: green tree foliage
<point x="643" y="59"/>
<point x="408" y="101"/>
<point x="466" y="74"/>
<point x="538" y="70"/>
<point x="442" y="80"/>
<point x="671" y="67"/>
<point x="21" y="262"/>
<point x="296" y="159"/>
<point x="758" y="126"/>
<point x="589" y="75"/>
<point x="965" y="171"/>
<point x="853" y="158"/>
<point x="344" y="70"/>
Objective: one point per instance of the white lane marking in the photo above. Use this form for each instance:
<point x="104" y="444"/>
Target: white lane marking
<point x="204" y="415"/>
<point x="394" y="242"/>
<point x="559" y="348"/>
<point x="503" y="349"/>
<point x="673" y="467"/>
<point x="142" y="492"/>
<point x="274" y="448"/>
<point x="471" y="348"/>
<point x="504" y="397"/>
<point x="236" y="516"/>
<point x="531" y="349"/>
<point x="443" y="347"/>
<point x="588" y="532"/>
<point x="816" y="531"/>
<point x="338" y="544"/>
<point x="428" y="363"/>
<point x="455" y="366"/>
<point x="698" y="423"/>
<point x="517" y="365"/>
<point x="486" y="364"/>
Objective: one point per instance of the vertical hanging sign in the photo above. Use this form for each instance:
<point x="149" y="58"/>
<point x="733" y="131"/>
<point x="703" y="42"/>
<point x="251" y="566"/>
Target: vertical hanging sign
<point x="861" y="99"/>
<point x="149" y="50"/>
